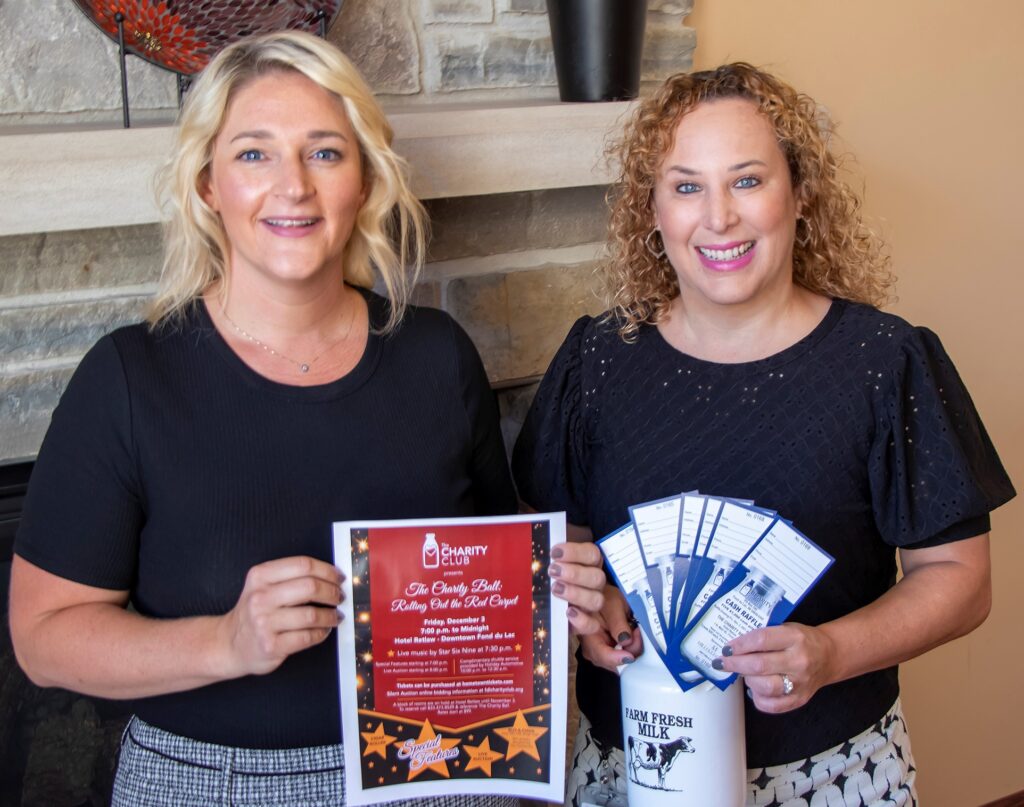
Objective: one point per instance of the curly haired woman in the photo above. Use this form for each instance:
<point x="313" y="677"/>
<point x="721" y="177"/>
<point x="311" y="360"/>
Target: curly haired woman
<point x="743" y="355"/>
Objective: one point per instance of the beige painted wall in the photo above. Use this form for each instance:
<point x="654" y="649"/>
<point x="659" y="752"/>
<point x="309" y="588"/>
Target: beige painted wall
<point x="930" y="98"/>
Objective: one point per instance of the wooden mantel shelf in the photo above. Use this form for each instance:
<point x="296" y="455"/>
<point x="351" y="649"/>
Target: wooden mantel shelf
<point x="72" y="179"/>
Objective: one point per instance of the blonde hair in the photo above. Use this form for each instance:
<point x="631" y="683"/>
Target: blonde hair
<point x="390" y="229"/>
<point x="834" y="253"/>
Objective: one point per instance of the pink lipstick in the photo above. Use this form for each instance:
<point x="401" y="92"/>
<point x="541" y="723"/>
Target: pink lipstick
<point x="726" y="257"/>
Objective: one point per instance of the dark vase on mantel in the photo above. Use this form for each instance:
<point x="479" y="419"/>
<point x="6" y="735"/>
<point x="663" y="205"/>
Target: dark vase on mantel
<point x="598" y="46"/>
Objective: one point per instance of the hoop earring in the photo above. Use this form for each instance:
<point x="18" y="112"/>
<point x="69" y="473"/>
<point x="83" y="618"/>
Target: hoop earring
<point x="658" y="254"/>
<point x="805" y="239"/>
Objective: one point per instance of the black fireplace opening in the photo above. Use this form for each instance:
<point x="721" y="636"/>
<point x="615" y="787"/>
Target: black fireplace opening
<point x="56" y="747"/>
<point x="13" y="485"/>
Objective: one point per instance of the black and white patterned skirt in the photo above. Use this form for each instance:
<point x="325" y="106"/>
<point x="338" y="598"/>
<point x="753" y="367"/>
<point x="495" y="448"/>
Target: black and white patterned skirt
<point x="160" y="769"/>
<point x="874" y="769"/>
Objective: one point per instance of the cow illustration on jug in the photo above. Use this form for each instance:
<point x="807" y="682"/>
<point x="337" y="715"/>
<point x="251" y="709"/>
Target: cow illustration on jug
<point x="659" y="757"/>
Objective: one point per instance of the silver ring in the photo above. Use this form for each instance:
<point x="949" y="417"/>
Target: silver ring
<point x="787" y="685"/>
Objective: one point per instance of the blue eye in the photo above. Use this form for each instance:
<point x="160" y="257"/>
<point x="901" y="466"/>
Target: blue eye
<point x="747" y="182"/>
<point x="250" y="155"/>
<point x="327" y="154"/>
<point x="687" y="187"/>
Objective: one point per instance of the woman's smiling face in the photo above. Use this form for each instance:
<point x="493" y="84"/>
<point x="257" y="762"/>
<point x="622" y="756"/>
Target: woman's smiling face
<point x="286" y="179"/>
<point x="725" y="204"/>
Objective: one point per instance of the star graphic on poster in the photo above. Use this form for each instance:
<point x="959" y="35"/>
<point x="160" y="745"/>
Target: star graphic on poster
<point x="481" y="756"/>
<point x="377" y="742"/>
<point x="521" y="737"/>
<point x="428" y="737"/>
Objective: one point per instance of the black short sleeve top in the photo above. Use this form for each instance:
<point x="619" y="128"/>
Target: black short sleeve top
<point x="171" y="467"/>
<point x="862" y="433"/>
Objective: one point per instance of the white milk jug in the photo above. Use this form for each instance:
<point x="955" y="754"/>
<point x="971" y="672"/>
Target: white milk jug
<point x="683" y="749"/>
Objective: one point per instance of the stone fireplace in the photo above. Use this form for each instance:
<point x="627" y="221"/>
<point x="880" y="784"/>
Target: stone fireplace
<point x="513" y="180"/>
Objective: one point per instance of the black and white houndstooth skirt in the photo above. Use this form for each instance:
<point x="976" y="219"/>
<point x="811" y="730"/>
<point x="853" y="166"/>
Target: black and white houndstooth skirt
<point x="874" y="769"/>
<point x="160" y="769"/>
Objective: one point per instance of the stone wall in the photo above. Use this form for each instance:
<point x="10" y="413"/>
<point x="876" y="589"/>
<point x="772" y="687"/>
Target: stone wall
<point x="514" y="269"/>
<point x="56" y="66"/>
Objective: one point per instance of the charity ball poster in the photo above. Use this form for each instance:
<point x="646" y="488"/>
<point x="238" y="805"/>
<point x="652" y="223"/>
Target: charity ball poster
<point x="453" y="658"/>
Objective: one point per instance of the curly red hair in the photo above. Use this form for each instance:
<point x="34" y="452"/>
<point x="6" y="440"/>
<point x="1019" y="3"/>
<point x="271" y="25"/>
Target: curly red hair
<point x="834" y="253"/>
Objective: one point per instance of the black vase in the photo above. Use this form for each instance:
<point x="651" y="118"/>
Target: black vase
<point x="598" y="46"/>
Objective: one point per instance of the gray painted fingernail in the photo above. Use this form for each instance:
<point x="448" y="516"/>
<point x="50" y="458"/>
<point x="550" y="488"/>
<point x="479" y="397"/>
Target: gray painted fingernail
<point x="717" y="664"/>
<point x="624" y="637"/>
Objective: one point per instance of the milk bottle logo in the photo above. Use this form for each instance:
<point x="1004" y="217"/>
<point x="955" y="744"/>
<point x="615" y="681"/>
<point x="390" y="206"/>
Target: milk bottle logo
<point x="723" y="566"/>
<point x="431" y="552"/>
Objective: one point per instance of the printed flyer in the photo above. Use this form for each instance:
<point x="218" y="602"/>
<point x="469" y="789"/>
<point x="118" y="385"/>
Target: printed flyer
<point x="453" y="658"/>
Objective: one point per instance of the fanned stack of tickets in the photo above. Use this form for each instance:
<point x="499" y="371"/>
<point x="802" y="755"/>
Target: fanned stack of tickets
<point x="699" y="571"/>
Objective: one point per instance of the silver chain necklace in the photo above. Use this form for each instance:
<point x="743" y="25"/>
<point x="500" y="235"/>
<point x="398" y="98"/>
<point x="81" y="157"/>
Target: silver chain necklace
<point x="303" y="366"/>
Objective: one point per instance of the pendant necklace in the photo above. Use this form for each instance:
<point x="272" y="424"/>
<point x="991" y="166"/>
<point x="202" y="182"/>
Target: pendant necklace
<point x="304" y="366"/>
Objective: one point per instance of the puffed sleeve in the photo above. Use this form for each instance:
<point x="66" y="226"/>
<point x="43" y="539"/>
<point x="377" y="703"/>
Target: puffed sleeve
<point x="934" y="473"/>
<point x="82" y="515"/>
<point x="549" y="458"/>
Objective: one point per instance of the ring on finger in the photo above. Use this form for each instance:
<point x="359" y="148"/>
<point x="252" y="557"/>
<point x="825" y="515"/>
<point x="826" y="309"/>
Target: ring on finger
<point x="787" y="685"/>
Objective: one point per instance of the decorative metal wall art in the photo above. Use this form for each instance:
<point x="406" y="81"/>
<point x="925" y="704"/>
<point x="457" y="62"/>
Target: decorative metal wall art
<point x="183" y="36"/>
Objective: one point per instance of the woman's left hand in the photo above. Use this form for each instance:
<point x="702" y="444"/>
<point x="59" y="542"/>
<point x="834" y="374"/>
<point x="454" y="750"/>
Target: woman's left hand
<point x="768" y="657"/>
<point x="945" y="592"/>
<point x="577" y="577"/>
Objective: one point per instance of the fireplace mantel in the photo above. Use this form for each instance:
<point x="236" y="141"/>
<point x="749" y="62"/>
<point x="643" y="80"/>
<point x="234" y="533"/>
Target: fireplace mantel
<point x="73" y="179"/>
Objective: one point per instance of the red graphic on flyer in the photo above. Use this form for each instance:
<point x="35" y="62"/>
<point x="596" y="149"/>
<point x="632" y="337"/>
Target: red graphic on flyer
<point x="452" y="617"/>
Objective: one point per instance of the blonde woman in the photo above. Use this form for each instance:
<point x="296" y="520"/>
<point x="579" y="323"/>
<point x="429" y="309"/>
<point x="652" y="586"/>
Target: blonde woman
<point x="743" y="356"/>
<point x="195" y="464"/>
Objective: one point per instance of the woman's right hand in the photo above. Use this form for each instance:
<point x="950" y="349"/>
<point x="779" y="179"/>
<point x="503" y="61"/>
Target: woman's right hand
<point x="577" y="578"/>
<point x="287" y="605"/>
<point x="618" y="640"/>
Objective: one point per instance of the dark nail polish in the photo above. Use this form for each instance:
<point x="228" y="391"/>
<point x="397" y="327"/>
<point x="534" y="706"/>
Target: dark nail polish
<point x="628" y="660"/>
<point x="571" y="612"/>
<point x="624" y="637"/>
<point x="717" y="664"/>
<point x="555" y="570"/>
<point x="556" y="553"/>
<point x="750" y="694"/>
<point x="558" y="587"/>
<point x="727" y="651"/>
